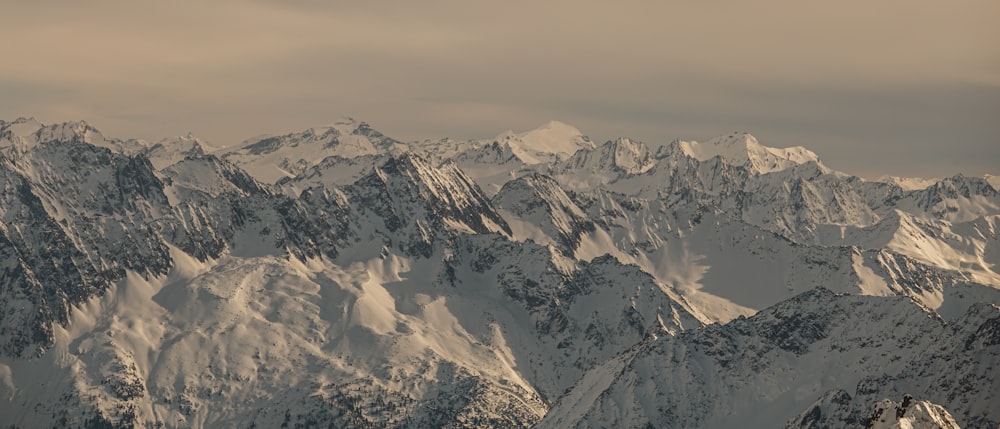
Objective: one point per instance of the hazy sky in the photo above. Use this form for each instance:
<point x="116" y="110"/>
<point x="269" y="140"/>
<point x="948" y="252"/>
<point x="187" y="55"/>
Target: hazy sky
<point x="890" y="86"/>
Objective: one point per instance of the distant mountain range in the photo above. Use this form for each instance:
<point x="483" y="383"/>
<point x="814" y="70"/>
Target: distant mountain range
<point x="337" y="277"/>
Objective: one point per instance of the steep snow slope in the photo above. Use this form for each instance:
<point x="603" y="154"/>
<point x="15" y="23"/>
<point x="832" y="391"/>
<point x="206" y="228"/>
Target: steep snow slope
<point x="416" y="202"/>
<point x="265" y="340"/>
<point x="76" y="218"/>
<point x="569" y="316"/>
<point x="389" y="341"/>
<point x="541" y="211"/>
<point x="73" y="221"/>
<point x="962" y="247"/>
<point x="760" y="371"/>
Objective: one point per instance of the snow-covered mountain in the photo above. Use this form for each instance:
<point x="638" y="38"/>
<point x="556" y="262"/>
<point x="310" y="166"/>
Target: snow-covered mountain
<point x="910" y="414"/>
<point x="171" y="150"/>
<point x="550" y="142"/>
<point x="547" y="143"/>
<point x="743" y="149"/>
<point x="269" y="158"/>
<point x="340" y="277"/>
<point x="759" y="371"/>
<point x="829" y="411"/>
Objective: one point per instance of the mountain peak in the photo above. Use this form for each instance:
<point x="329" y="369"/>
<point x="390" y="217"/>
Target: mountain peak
<point x="547" y="143"/>
<point x="538" y="200"/>
<point x="741" y="148"/>
<point x="622" y="156"/>
<point x="557" y="137"/>
<point x="908" y="183"/>
<point x="74" y="131"/>
<point x="25" y="134"/>
<point x="910" y="414"/>
<point x="408" y="192"/>
<point x="270" y="158"/>
<point x="173" y="149"/>
<point x="29" y="123"/>
<point x="558" y="126"/>
<point x="406" y="163"/>
<point x="20" y="129"/>
<point x="734" y="147"/>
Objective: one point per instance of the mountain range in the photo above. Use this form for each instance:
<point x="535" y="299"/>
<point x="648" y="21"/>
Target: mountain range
<point x="337" y="277"/>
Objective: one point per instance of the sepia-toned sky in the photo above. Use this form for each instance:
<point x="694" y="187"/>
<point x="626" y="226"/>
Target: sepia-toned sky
<point x="895" y="87"/>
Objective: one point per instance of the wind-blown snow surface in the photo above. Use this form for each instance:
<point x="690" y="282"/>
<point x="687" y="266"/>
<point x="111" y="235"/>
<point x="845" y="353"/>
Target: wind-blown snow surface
<point x="337" y="276"/>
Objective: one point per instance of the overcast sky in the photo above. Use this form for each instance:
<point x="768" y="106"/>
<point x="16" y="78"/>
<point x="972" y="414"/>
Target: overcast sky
<point x="874" y="87"/>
